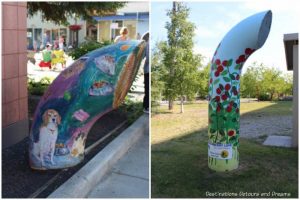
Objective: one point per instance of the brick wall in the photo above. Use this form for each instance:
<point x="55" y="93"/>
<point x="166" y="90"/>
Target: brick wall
<point x="14" y="68"/>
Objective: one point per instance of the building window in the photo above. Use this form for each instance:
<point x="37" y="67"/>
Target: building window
<point x="46" y="37"/>
<point x="131" y="25"/>
<point x="116" y="26"/>
<point x="63" y="33"/>
<point x="29" y="38"/>
<point x="37" y="42"/>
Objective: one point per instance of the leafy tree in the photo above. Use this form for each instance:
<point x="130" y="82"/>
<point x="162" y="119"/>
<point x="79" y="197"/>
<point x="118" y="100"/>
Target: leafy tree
<point x="265" y="83"/>
<point x="203" y="81"/>
<point x="250" y="81"/>
<point x="58" y="12"/>
<point x="158" y="71"/>
<point x="179" y="60"/>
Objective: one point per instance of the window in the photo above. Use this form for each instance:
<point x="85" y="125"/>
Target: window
<point x="37" y="38"/>
<point x="115" y="30"/>
<point x="131" y="25"/>
<point x="29" y="38"/>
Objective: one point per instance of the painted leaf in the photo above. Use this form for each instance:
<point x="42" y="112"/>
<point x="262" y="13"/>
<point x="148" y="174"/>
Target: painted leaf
<point x="226" y="79"/>
<point x="216" y="81"/>
<point x="237" y="67"/>
<point x="232" y="139"/>
<point x="222" y="132"/>
<point x="221" y="86"/>
<point x="223" y="139"/>
<point x="227" y="94"/>
<point x="232" y="76"/>
<point x="229" y="63"/>
<point x="224" y="73"/>
<point x="212" y="130"/>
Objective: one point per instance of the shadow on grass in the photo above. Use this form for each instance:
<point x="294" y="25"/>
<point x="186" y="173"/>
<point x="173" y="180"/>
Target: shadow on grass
<point x="179" y="168"/>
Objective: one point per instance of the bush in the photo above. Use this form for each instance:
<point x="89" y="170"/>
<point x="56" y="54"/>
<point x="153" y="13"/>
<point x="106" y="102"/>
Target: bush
<point x="264" y="97"/>
<point x="132" y="109"/>
<point x="87" y="47"/>
<point x="38" y="88"/>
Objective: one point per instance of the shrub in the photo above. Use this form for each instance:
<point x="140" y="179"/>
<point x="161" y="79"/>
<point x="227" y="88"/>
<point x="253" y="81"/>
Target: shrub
<point x="264" y="97"/>
<point x="87" y="47"/>
<point x="38" y="88"/>
<point x="132" y="109"/>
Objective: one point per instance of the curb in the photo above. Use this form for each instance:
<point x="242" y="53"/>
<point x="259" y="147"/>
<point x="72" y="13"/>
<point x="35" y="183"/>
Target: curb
<point x="83" y="181"/>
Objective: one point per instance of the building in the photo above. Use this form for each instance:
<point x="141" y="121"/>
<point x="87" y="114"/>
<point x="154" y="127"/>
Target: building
<point x="40" y="32"/>
<point x="14" y="73"/>
<point x="135" y="16"/>
<point x="292" y="62"/>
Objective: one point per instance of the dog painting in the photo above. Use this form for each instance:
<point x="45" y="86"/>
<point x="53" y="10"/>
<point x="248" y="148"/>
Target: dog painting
<point x="45" y="147"/>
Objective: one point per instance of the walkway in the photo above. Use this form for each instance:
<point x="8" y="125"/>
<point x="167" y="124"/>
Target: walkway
<point x="129" y="177"/>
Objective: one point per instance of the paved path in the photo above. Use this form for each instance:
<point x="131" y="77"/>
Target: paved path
<point x="129" y="178"/>
<point x="253" y="126"/>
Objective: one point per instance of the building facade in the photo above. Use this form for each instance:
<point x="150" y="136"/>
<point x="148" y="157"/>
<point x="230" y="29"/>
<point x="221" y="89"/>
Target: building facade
<point x="40" y="32"/>
<point x="135" y="16"/>
<point x="14" y="73"/>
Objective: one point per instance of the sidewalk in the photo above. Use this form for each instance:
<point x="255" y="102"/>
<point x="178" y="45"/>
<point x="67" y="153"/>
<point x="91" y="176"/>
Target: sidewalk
<point x="127" y="155"/>
<point x="129" y="177"/>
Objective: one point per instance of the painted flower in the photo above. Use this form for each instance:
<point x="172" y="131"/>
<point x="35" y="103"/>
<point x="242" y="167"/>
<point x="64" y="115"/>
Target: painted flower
<point x="227" y="87"/>
<point x="218" y="108"/>
<point x="218" y="91"/>
<point x="224" y="97"/>
<point x="224" y="63"/>
<point x="248" y="51"/>
<point x="231" y="132"/>
<point x="220" y="68"/>
<point x="229" y="108"/>
<point x="217" y="98"/>
<point x="217" y="73"/>
<point x="218" y="62"/>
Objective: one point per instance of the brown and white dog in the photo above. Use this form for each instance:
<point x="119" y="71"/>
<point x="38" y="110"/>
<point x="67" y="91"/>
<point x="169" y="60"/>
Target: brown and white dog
<point x="48" y="136"/>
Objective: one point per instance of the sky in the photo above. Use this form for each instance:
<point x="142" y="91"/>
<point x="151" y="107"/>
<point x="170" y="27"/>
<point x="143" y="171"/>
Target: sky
<point x="214" y="19"/>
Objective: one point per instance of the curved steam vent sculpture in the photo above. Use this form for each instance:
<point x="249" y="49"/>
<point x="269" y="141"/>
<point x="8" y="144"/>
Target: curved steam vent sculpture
<point x="92" y="86"/>
<point x="224" y="86"/>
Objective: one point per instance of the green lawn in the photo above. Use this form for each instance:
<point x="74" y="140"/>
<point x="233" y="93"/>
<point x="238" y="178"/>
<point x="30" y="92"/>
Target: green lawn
<point x="179" y="156"/>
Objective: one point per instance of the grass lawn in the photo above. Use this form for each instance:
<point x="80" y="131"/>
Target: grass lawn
<point x="179" y="157"/>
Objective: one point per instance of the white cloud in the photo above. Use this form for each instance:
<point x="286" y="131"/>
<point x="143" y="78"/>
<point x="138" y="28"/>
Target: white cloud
<point x="289" y="6"/>
<point x="206" y="32"/>
<point x="204" y="51"/>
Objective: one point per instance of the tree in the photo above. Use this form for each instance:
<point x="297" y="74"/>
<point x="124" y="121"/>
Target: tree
<point x="58" y="12"/>
<point x="158" y="71"/>
<point x="203" y="81"/>
<point x="179" y="60"/>
<point x="265" y="83"/>
<point x="250" y="80"/>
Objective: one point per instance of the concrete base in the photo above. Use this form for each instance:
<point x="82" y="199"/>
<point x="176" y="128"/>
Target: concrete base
<point x="278" y="141"/>
<point x="129" y="177"/>
<point x="14" y="133"/>
<point x="81" y="183"/>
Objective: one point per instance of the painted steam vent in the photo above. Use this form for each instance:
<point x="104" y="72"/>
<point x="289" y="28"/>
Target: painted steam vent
<point x="92" y="86"/>
<point x="224" y="87"/>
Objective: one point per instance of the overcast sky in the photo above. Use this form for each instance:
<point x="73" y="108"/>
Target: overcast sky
<point x="214" y="19"/>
